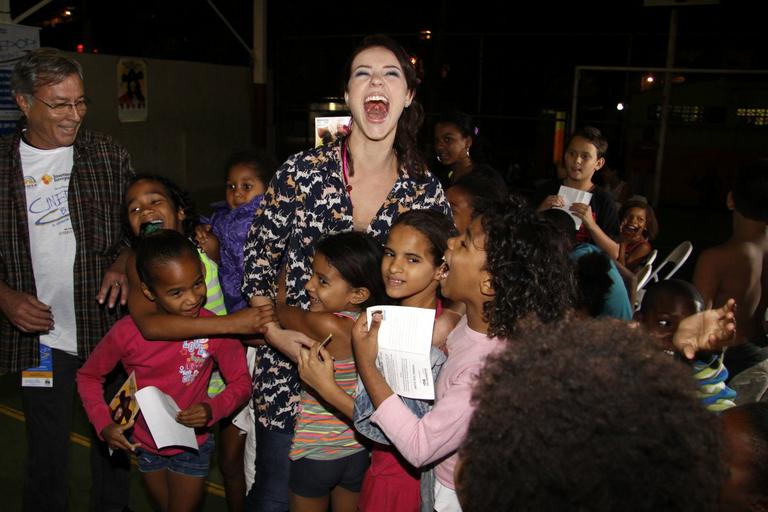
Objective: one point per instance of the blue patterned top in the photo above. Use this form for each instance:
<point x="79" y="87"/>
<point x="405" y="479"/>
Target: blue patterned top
<point x="305" y="201"/>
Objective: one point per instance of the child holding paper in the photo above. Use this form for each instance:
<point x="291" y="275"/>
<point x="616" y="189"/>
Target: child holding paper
<point x="327" y="461"/>
<point x="509" y="263"/>
<point x="172" y="277"/>
<point x="584" y="156"/>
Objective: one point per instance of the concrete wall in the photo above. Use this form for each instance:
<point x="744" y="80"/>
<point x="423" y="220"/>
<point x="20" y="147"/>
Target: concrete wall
<point x="198" y="114"/>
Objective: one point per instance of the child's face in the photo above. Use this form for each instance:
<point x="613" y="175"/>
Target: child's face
<point x="633" y="224"/>
<point x="243" y="184"/>
<point x="581" y="160"/>
<point x="740" y="491"/>
<point x="408" y="264"/>
<point x="465" y="260"/>
<point x="461" y="207"/>
<point x="450" y="145"/>
<point x="663" y="319"/>
<point x="179" y="287"/>
<point x="327" y="289"/>
<point x="148" y="201"/>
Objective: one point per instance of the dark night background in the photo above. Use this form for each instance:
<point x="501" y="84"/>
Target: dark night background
<point x="509" y="65"/>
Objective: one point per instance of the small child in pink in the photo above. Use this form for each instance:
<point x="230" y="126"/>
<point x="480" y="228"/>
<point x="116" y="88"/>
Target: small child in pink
<point x="172" y="277"/>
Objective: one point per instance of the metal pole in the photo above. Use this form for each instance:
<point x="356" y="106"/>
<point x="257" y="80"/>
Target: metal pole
<point x="39" y="5"/>
<point x="575" y="99"/>
<point x="664" y="108"/>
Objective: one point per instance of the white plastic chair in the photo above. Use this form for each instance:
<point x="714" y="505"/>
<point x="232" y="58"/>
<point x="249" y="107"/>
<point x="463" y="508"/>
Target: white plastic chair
<point x="676" y="258"/>
<point x="643" y="276"/>
<point x="651" y="257"/>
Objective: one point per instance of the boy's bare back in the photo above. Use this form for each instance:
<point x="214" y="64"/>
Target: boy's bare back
<point x="737" y="269"/>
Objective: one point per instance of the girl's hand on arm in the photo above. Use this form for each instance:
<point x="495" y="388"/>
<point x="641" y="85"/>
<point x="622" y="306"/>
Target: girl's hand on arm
<point x="316" y="370"/>
<point x="365" y="344"/>
<point x="252" y="320"/>
<point x="113" y="434"/>
<point x="288" y="342"/>
<point x="195" y="416"/>
<point x="114" y="286"/>
<point x="711" y="330"/>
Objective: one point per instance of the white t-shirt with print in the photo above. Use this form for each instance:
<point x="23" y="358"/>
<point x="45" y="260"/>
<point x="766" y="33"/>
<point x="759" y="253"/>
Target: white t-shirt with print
<point x="51" y="238"/>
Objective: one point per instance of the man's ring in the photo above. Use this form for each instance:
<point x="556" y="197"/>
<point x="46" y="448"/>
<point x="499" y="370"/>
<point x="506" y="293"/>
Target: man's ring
<point x="116" y="284"/>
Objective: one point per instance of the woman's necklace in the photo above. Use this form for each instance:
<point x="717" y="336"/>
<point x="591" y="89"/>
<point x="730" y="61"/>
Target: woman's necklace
<point x="344" y="167"/>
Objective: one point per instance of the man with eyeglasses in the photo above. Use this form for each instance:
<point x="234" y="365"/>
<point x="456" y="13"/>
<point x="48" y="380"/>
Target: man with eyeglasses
<point x="61" y="190"/>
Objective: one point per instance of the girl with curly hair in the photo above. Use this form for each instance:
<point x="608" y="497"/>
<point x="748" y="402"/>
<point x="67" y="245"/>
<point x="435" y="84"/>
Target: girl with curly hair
<point x="509" y="263"/>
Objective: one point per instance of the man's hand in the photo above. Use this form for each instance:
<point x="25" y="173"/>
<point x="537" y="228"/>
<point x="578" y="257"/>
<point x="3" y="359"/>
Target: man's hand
<point x="114" y="286"/>
<point x="195" y="416"/>
<point x="24" y="311"/>
<point x="365" y="341"/>
<point x="114" y="435"/>
<point x="711" y="330"/>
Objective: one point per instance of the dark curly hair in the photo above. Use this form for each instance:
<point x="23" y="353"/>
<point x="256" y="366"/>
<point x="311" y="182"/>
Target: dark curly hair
<point x="587" y="414"/>
<point x="410" y="121"/>
<point x="745" y="431"/>
<point x="178" y="196"/>
<point x="530" y="270"/>
<point x="651" y="224"/>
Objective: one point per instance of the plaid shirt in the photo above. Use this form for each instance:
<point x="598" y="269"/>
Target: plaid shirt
<point x="96" y="191"/>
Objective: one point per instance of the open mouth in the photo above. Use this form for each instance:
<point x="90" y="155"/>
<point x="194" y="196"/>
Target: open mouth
<point x="376" y="107"/>
<point x="391" y="281"/>
<point x="147" y="228"/>
<point x="445" y="269"/>
<point x="631" y="229"/>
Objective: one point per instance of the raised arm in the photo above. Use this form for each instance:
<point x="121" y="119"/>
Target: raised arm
<point x="158" y="326"/>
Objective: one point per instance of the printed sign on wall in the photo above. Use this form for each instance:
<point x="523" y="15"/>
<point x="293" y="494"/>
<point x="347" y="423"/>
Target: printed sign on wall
<point x="131" y="90"/>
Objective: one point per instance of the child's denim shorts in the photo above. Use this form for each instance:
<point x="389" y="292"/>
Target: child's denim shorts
<point x="186" y="463"/>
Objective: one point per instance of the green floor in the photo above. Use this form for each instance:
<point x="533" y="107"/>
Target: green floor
<point x="13" y="447"/>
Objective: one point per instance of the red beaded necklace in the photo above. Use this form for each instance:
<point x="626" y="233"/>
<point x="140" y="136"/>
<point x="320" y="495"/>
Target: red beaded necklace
<point x="344" y="167"/>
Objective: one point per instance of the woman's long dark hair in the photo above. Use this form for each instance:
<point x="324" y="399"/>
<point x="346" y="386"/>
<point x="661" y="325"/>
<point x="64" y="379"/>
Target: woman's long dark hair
<point x="410" y="121"/>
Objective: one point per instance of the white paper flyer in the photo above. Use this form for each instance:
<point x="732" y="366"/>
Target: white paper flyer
<point x="160" y="412"/>
<point x="570" y="196"/>
<point x="405" y="340"/>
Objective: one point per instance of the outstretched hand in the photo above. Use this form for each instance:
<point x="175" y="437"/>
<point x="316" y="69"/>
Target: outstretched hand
<point x="114" y="435"/>
<point x="710" y="330"/>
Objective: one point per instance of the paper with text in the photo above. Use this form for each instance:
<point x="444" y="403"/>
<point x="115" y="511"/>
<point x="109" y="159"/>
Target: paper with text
<point x="405" y="341"/>
<point x="160" y="412"/>
<point x="570" y="196"/>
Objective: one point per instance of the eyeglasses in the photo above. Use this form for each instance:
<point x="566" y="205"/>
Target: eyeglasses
<point x="62" y="109"/>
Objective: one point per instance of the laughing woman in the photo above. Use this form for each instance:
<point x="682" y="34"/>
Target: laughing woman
<point x="361" y="182"/>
